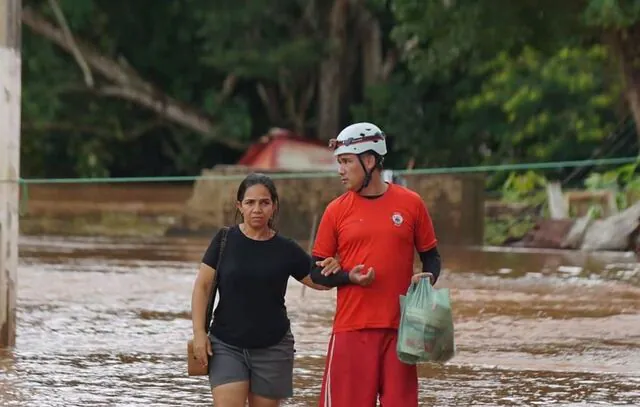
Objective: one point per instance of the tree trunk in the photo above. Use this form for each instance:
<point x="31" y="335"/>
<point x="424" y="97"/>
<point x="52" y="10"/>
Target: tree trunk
<point x="350" y="81"/>
<point x="633" y="97"/>
<point x="300" y="121"/>
<point x="372" y="64"/>
<point x="330" y="72"/>
<point x="624" y="45"/>
<point x="269" y="97"/>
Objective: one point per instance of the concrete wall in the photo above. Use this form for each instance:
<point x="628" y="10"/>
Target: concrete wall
<point x="64" y="200"/>
<point x="455" y="202"/>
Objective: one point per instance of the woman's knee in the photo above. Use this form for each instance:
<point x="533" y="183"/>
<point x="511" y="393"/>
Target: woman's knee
<point x="231" y="394"/>
<point x="259" y="401"/>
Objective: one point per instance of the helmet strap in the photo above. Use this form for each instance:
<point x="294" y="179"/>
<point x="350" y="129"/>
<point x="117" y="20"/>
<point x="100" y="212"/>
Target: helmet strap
<point x="367" y="174"/>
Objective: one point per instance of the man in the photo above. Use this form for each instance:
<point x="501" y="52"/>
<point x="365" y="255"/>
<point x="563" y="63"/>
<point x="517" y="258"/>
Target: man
<point x="374" y="228"/>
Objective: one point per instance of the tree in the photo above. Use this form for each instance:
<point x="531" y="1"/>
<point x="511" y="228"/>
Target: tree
<point x="89" y="112"/>
<point x="190" y="80"/>
<point x="123" y="81"/>
<point x="461" y="33"/>
<point x="534" y="107"/>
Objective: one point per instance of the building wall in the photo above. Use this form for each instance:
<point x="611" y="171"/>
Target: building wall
<point x="456" y="203"/>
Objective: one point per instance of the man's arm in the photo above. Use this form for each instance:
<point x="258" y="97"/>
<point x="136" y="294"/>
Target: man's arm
<point x="431" y="262"/>
<point x="426" y="242"/>
<point x="326" y="245"/>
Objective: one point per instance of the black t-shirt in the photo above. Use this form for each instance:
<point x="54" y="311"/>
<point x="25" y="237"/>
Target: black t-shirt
<point x="252" y="283"/>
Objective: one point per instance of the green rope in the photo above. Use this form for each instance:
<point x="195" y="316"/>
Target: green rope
<point x="295" y="175"/>
<point x="524" y="166"/>
<point x="306" y="175"/>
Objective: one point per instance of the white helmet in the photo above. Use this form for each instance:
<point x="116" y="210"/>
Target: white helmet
<point x="359" y="138"/>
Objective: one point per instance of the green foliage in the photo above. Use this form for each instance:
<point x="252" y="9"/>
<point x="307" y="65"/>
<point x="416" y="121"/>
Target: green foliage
<point x="69" y="130"/>
<point x="449" y="34"/>
<point x="498" y="230"/>
<point x="477" y="81"/>
<point x="612" y="13"/>
<point x="420" y="121"/>
<point x="528" y="187"/>
<point x="624" y="180"/>
<point x="540" y="106"/>
<point x="259" y="39"/>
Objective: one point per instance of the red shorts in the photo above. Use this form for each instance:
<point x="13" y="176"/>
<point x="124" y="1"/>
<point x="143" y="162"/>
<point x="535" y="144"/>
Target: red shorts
<point x="363" y="364"/>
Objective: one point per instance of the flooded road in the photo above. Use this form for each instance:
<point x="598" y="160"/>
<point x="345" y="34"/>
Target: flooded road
<point x="105" y="322"/>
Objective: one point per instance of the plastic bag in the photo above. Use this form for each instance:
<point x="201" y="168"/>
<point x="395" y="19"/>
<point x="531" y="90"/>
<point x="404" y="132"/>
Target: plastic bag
<point x="426" y="325"/>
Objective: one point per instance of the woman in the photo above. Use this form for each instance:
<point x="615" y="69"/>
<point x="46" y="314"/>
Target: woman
<point x="250" y="350"/>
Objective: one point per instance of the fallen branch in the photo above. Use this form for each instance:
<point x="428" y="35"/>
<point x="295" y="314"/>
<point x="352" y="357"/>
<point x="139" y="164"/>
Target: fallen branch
<point x="127" y="83"/>
<point x="62" y="21"/>
<point x="170" y="109"/>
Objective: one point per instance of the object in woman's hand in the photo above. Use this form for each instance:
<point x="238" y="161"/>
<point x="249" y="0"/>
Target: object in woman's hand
<point x="194" y="367"/>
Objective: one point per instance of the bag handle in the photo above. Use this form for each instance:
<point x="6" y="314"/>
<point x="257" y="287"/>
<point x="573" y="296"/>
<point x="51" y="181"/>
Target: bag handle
<point x="214" y="289"/>
<point x="414" y="286"/>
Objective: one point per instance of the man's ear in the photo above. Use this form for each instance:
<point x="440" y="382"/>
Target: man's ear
<point x="369" y="161"/>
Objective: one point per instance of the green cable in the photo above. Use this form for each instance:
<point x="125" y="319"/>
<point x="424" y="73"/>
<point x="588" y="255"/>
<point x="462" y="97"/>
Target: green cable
<point x="302" y="175"/>
<point x="525" y="166"/>
<point x="293" y="175"/>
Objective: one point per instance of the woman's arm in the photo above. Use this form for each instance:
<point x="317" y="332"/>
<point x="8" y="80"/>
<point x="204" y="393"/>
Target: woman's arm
<point x="202" y="288"/>
<point x="302" y="269"/>
<point x="307" y="281"/>
<point x="200" y="297"/>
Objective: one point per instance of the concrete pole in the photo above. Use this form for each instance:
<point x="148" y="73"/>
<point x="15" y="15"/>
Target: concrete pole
<point x="10" y="96"/>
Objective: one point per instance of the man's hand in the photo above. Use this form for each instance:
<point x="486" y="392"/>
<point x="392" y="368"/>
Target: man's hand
<point x="356" y="277"/>
<point x="330" y="266"/>
<point x="416" y="277"/>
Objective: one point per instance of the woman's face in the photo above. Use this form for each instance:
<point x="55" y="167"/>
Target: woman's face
<point x="256" y="207"/>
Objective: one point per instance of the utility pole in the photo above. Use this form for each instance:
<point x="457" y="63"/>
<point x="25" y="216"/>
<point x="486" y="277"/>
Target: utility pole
<point x="10" y="97"/>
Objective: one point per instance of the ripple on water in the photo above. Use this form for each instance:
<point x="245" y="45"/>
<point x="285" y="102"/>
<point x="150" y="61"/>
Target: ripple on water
<point x="105" y="322"/>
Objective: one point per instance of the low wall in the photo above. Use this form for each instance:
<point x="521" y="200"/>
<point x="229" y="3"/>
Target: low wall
<point x="105" y="209"/>
<point x="455" y="202"/>
<point x="83" y="199"/>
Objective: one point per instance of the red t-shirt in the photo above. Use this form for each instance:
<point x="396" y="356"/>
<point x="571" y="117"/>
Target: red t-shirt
<point x="382" y="233"/>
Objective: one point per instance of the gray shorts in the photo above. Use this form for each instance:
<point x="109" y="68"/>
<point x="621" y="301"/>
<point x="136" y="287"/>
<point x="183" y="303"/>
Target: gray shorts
<point x="268" y="370"/>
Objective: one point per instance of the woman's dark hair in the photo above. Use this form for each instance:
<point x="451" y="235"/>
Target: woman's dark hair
<point x="260" y="179"/>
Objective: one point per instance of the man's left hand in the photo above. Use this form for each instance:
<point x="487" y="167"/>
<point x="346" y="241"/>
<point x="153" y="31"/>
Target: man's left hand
<point x="416" y="277"/>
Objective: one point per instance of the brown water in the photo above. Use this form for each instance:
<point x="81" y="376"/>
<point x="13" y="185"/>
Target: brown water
<point x="104" y="322"/>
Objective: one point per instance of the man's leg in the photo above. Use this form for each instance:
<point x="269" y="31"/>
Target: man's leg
<point x="398" y="381"/>
<point x="351" y="374"/>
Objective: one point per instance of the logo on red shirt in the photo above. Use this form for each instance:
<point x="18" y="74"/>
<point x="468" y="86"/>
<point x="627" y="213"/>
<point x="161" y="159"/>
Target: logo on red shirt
<point x="397" y="219"/>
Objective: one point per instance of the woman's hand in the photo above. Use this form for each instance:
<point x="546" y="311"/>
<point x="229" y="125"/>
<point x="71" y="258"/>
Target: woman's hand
<point x="330" y="266"/>
<point x="202" y="347"/>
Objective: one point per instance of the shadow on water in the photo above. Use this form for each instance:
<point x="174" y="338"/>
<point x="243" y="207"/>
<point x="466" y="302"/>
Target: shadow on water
<point x="104" y="322"/>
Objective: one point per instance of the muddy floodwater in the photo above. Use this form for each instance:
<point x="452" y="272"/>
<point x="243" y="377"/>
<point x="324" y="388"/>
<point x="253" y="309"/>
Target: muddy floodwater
<point x="104" y="323"/>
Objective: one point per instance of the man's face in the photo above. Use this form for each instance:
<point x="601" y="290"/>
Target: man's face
<point x="351" y="171"/>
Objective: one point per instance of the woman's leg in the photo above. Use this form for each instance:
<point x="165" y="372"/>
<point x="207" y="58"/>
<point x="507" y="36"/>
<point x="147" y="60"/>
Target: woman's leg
<point x="259" y="401"/>
<point x="231" y="394"/>
<point x="228" y="375"/>
<point x="271" y="373"/>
